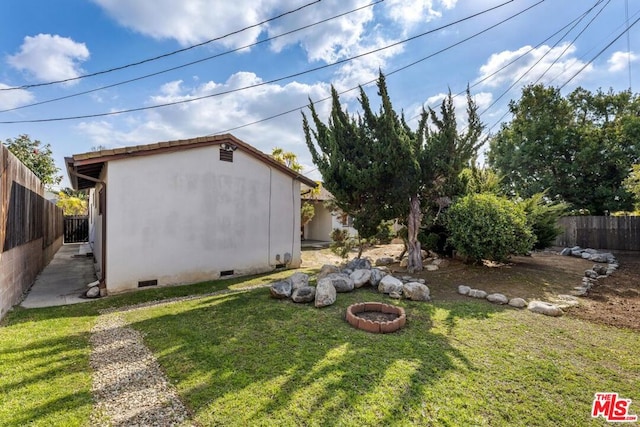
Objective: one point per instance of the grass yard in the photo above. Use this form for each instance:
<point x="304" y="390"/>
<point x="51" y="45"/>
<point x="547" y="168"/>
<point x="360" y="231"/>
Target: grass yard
<point x="242" y="358"/>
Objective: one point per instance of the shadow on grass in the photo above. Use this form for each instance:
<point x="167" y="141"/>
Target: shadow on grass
<point x="248" y="359"/>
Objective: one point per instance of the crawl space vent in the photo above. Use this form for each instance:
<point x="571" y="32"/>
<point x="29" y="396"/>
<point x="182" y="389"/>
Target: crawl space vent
<point x="226" y="273"/>
<point x="145" y="283"/>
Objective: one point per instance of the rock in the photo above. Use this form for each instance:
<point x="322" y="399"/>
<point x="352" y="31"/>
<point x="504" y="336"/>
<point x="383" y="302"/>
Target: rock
<point x="566" y="252"/>
<point x="341" y="282"/>
<point x="304" y="294"/>
<point x="325" y="293"/>
<point x="585" y="255"/>
<point x="416" y="291"/>
<point x="347" y="271"/>
<point x="404" y="263"/>
<point x="281" y="289"/>
<point x="439" y="262"/>
<point x="517" y="303"/>
<point x="360" y="277"/>
<point x="579" y="291"/>
<point x="431" y="267"/>
<point x="577" y="253"/>
<point x="92" y="284"/>
<point x="422" y="281"/>
<point x="93" y="292"/>
<point x="390" y="284"/>
<point x="590" y="274"/>
<point x="545" y="308"/>
<point x="407" y="278"/>
<point x="298" y="280"/>
<point x="384" y="261"/>
<point x="477" y="293"/>
<point x="601" y="270"/>
<point x="463" y="289"/>
<point x="497" y="298"/>
<point x="327" y="269"/>
<point x="359" y="264"/>
<point x="395" y="295"/>
<point x="576" y="248"/>
<point x="591" y="251"/>
<point x="603" y="257"/>
<point x="612" y="266"/>
<point x="565" y="301"/>
<point x="376" y="275"/>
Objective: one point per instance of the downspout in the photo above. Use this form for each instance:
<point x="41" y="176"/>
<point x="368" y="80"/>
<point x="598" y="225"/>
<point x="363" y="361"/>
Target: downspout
<point x="103" y="280"/>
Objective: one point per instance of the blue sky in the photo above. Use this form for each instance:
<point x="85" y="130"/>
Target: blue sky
<point x="45" y="41"/>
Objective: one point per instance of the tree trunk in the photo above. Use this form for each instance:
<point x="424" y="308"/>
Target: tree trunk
<point x="413" y="244"/>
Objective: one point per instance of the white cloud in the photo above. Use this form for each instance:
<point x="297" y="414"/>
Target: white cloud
<point x="537" y="64"/>
<point x="409" y="13"/>
<point x="620" y="60"/>
<point x="13" y="98"/>
<point x="50" y="57"/>
<point x="218" y="114"/>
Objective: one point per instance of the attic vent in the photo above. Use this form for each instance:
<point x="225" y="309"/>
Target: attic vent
<point x="145" y="283"/>
<point x="226" y="152"/>
<point x="226" y="273"/>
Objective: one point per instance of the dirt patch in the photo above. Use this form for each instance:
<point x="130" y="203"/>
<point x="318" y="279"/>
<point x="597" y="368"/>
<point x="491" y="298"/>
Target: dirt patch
<point x="377" y="316"/>
<point x="543" y="275"/>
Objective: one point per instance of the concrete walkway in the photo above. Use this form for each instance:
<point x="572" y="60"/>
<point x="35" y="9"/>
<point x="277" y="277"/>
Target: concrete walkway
<point x="63" y="281"/>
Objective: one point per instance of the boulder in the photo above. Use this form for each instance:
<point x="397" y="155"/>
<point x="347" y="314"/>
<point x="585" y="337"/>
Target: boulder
<point x="545" y="308"/>
<point x="586" y="255"/>
<point x="327" y="269"/>
<point x="422" y="281"/>
<point x="477" y="293"/>
<point x="463" y="289"/>
<point x="281" y="289"/>
<point x="359" y="264"/>
<point x="376" y="275"/>
<point x="601" y="270"/>
<point x="341" y="282"/>
<point x="93" y="292"/>
<point x="325" y="293"/>
<point x="390" y="284"/>
<point x="416" y="291"/>
<point x="431" y="267"/>
<point x="602" y="257"/>
<point x="590" y="274"/>
<point x="395" y="295"/>
<point x="360" y="277"/>
<point x="298" y="280"/>
<point x="566" y="252"/>
<point x="497" y="298"/>
<point x="304" y="294"/>
<point x="384" y="261"/>
<point x="577" y="253"/>
<point x="517" y="303"/>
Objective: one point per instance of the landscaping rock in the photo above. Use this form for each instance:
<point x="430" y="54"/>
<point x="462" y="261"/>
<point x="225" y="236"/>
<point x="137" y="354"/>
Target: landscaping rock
<point x="439" y="262"/>
<point x="376" y="275"/>
<point x="590" y="274"/>
<point x="298" y="280"/>
<point x="416" y="291"/>
<point x="566" y="252"/>
<point x="585" y="255"/>
<point x="327" y="269"/>
<point x="422" y="281"/>
<point x="497" y="298"/>
<point x="304" y="294"/>
<point x="360" y="277"/>
<point x="359" y="264"/>
<point x="545" y="308"/>
<point x="325" y="293"/>
<point x="384" y="261"/>
<point x="576" y="252"/>
<point x="517" y="303"/>
<point x="565" y="301"/>
<point x="601" y="270"/>
<point x="281" y="290"/>
<point x="477" y="293"/>
<point x="602" y="257"/>
<point x="347" y="271"/>
<point x="93" y="292"/>
<point x="404" y="263"/>
<point x="395" y="295"/>
<point x="463" y="289"/>
<point x="407" y="279"/>
<point x="390" y="284"/>
<point x="431" y="267"/>
<point x="341" y="282"/>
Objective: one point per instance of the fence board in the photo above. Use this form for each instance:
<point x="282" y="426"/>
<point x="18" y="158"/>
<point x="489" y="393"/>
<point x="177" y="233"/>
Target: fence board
<point x="601" y="232"/>
<point x="76" y="229"/>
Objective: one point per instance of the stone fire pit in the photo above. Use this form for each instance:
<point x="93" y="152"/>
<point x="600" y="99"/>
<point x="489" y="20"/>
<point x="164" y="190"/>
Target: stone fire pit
<point x="376" y="317"/>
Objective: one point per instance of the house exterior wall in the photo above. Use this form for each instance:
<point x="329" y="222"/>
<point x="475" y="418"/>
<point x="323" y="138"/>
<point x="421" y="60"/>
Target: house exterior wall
<point x="95" y="222"/>
<point x="323" y="223"/>
<point x="187" y="216"/>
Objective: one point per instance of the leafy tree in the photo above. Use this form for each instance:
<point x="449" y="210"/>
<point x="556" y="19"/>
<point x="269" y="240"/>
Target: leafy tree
<point x="72" y="205"/>
<point x="287" y="158"/>
<point x="486" y="226"/>
<point x="379" y="169"/>
<point x="542" y="216"/>
<point x="37" y="157"/>
<point x="632" y="184"/>
<point x="307" y="212"/>
<point x="579" y="148"/>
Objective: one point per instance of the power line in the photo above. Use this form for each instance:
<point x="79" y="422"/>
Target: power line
<point x="342" y="61"/>
<point x="192" y="62"/>
<point x="155" y="58"/>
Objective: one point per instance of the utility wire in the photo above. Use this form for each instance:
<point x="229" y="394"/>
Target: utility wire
<point x="192" y="62"/>
<point x="342" y="61"/>
<point x="155" y="58"/>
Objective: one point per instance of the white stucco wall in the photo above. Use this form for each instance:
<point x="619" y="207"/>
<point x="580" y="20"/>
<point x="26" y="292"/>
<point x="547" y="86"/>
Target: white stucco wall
<point x="95" y="222"/>
<point x="319" y="228"/>
<point x="185" y="216"/>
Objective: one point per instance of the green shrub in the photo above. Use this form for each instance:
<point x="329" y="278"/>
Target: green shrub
<point x="485" y="226"/>
<point x="542" y="217"/>
<point x="341" y="242"/>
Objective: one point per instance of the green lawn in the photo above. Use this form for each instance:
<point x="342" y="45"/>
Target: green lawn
<point x="242" y="358"/>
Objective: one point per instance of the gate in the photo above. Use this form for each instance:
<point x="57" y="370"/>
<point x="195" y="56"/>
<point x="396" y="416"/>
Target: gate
<point x="76" y="229"/>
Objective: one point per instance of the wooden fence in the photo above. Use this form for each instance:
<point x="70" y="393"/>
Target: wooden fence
<point x="76" y="229"/>
<point x="600" y="232"/>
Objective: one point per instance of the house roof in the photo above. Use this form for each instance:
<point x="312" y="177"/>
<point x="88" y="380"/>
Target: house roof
<point x="323" y="195"/>
<point x="84" y="169"/>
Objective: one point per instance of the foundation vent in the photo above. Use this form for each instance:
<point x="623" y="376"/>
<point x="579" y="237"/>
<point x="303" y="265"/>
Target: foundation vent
<point x="226" y="273"/>
<point x="145" y="283"/>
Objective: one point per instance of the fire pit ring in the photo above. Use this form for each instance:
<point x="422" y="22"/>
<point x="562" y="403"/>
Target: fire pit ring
<point x="376" y="326"/>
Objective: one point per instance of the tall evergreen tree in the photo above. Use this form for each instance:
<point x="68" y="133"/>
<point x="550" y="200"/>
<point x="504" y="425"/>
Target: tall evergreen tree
<point x="378" y="169"/>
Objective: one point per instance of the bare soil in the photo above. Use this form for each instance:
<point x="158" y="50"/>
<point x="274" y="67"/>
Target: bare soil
<point x="377" y="316"/>
<point x="544" y="275"/>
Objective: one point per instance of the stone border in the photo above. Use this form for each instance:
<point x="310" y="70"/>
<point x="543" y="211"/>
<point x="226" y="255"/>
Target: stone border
<point x="598" y="271"/>
<point x="373" y="326"/>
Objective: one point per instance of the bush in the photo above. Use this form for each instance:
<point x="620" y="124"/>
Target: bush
<point x="341" y="242"/>
<point x="485" y="226"/>
<point x="542" y="217"/>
